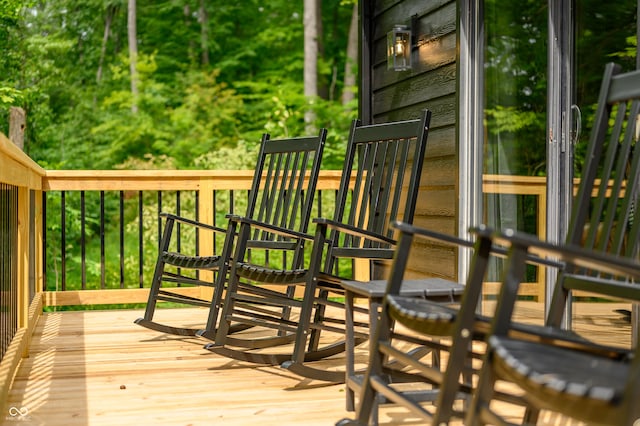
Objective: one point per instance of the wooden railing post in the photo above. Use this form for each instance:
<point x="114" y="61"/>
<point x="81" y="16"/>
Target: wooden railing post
<point x="542" y="232"/>
<point x="206" y="214"/>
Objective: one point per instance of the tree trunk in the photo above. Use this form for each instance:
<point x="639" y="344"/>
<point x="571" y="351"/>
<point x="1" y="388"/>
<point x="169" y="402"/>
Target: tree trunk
<point x="17" y="125"/>
<point x="133" y="53"/>
<point x="310" y="23"/>
<point x="204" y="33"/>
<point x="105" y="37"/>
<point x="350" y="67"/>
<point x="324" y="86"/>
<point x="186" y="11"/>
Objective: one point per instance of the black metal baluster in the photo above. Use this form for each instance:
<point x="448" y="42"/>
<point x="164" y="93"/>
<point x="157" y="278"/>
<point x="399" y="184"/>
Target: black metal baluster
<point x="44" y="241"/>
<point x="4" y="246"/>
<point x="197" y="195"/>
<point x="83" y="250"/>
<point x="140" y="241"/>
<point x="103" y="271"/>
<point x="159" y="219"/>
<point x="335" y="202"/>
<point x="32" y="245"/>
<point x="14" y="251"/>
<point x="121" y="239"/>
<point x="6" y="266"/>
<point x="3" y="265"/>
<point x="63" y="239"/>
<point x="9" y="287"/>
<point x="178" y="233"/>
<point x="5" y="261"/>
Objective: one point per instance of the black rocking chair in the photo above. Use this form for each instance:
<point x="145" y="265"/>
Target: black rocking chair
<point x="380" y="183"/>
<point x="282" y="193"/>
<point x="581" y="383"/>
<point x="602" y="220"/>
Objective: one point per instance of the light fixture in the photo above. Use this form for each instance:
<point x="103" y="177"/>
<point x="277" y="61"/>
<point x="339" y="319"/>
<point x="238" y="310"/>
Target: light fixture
<point x="399" y="48"/>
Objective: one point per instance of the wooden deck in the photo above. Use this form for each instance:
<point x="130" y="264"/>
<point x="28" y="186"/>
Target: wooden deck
<point x="99" y="368"/>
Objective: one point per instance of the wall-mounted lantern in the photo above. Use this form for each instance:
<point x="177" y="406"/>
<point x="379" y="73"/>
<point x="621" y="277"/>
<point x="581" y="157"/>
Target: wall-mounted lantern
<point x="399" y="48"/>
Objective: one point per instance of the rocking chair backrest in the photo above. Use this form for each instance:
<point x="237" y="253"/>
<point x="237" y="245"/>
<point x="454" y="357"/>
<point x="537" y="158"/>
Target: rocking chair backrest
<point x="603" y="210"/>
<point x="380" y="183"/>
<point x="283" y="188"/>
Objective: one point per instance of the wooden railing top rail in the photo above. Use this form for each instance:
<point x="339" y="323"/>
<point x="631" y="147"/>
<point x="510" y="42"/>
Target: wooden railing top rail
<point x="527" y="185"/>
<point x="523" y="180"/>
<point x="169" y="180"/>
<point x="96" y="180"/>
<point x="16" y="168"/>
<point x="506" y="184"/>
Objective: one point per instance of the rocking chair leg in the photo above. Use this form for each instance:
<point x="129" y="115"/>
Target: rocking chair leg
<point x="350" y="348"/>
<point x="318" y="317"/>
<point x="159" y="270"/>
<point x="154" y="291"/>
<point x="367" y="409"/>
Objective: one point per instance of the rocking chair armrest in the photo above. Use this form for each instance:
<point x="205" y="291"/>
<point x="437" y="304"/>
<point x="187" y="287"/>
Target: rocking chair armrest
<point x="568" y="254"/>
<point x="284" y="232"/>
<point x="355" y="231"/>
<point x="192" y="222"/>
<point x="432" y="235"/>
<point x="461" y="242"/>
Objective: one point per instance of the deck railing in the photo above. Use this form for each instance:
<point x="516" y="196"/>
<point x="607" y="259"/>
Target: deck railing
<point x="91" y="214"/>
<point x="102" y="228"/>
<point x="8" y="258"/>
<point x="20" y="257"/>
<point x="528" y="194"/>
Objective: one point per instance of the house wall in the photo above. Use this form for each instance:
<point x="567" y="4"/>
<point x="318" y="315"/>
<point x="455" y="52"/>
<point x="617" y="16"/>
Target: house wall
<point x="388" y="95"/>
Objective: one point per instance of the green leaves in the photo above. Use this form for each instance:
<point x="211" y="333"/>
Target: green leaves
<point x="510" y="119"/>
<point x="188" y="107"/>
<point x="9" y="97"/>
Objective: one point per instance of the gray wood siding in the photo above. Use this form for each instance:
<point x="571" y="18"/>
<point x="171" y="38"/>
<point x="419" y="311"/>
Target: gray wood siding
<point x="431" y="83"/>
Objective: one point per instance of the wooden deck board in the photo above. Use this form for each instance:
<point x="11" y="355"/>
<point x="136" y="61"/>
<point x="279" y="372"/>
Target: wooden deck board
<point x="99" y="368"/>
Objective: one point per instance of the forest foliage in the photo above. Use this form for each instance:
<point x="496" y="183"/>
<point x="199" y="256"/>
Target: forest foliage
<point x="212" y="74"/>
<point x="216" y="74"/>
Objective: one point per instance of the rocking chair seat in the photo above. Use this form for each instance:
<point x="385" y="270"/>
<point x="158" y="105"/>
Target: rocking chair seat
<point x="285" y="277"/>
<point x="570" y="380"/>
<point x="191" y="262"/>
<point x="271" y="276"/>
<point x="413" y="315"/>
<point x="436" y="319"/>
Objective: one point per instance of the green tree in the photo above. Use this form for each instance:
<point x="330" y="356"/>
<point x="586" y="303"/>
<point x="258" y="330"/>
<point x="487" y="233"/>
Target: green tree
<point x="68" y="63"/>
